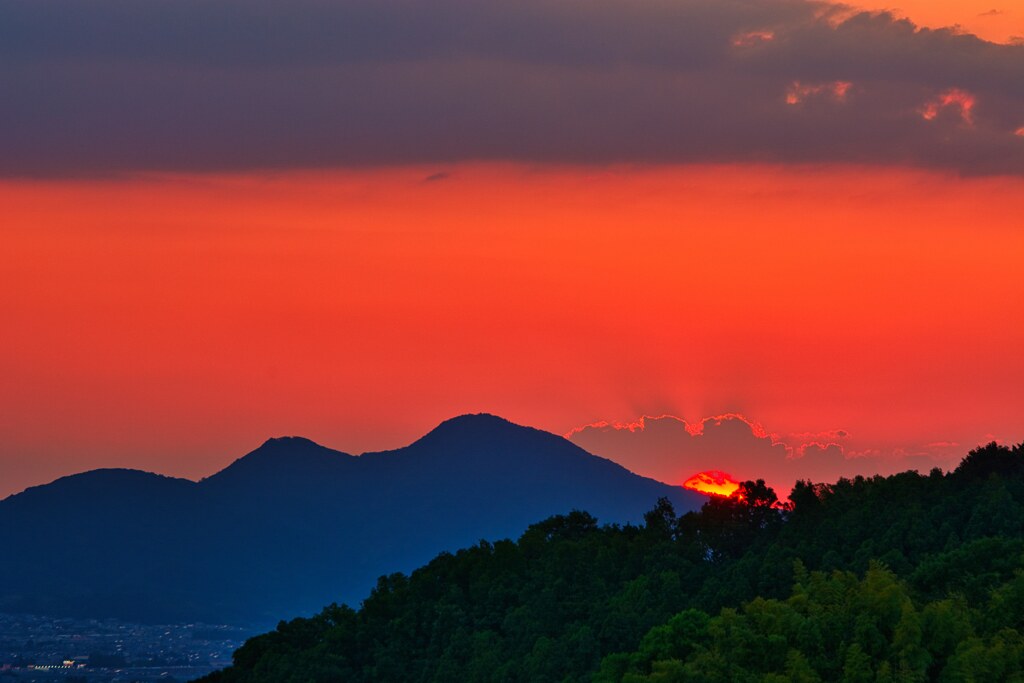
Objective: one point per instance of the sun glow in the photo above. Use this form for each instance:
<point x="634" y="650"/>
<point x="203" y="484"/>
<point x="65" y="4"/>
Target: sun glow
<point x="713" y="482"/>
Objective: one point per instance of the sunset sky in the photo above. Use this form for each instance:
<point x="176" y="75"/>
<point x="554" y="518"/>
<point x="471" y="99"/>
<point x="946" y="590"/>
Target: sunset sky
<point x="789" y="230"/>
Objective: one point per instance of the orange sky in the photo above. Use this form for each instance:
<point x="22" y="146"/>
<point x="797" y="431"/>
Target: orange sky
<point x="995" y="20"/>
<point x="172" y="323"/>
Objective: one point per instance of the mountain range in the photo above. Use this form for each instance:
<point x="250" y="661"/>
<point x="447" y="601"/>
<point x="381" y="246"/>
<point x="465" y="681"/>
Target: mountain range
<point x="294" y="525"/>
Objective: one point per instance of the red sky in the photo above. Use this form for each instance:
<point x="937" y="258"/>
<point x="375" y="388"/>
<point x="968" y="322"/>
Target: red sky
<point x="694" y="209"/>
<point x="173" y="322"/>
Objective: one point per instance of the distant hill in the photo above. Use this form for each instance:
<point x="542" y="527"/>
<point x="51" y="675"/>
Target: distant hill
<point x="293" y="525"/>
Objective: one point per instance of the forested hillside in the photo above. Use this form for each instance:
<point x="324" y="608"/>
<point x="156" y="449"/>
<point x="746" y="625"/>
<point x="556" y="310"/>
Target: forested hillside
<point x="911" y="577"/>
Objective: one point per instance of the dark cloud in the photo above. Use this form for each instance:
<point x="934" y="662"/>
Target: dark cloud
<point x="108" y="86"/>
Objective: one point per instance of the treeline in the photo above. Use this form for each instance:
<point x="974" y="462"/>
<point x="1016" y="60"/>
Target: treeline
<point x="835" y="627"/>
<point x="904" y="578"/>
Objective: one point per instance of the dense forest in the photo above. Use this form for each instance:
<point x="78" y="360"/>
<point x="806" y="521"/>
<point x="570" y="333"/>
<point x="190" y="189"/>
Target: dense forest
<point x="912" y="577"/>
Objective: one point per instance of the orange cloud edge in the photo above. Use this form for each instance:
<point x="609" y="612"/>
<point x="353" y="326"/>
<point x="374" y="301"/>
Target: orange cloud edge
<point x="822" y="440"/>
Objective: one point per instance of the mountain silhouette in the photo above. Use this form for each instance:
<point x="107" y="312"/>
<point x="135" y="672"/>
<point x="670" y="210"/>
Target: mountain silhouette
<point x="294" y="525"/>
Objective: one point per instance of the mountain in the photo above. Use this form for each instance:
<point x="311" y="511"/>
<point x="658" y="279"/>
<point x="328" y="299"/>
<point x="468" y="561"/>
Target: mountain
<point x="293" y="525"/>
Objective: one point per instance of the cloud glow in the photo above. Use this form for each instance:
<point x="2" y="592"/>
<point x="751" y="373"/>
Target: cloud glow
<point x="955" y="98"/>
<point x="753" y="38"/>
<point x="799" y="92"/>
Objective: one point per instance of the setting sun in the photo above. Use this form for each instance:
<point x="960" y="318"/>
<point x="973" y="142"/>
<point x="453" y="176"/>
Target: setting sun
<point x="712" y="482"/>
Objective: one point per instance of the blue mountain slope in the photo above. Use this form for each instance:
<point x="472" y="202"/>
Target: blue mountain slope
<point x="293" y="525"/>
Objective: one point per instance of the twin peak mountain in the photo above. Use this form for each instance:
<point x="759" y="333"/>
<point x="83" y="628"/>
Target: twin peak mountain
<point x="293" y="526"/>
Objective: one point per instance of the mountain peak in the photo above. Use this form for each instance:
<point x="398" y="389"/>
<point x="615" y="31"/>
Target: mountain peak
<point x="476" y="421"/>
<point x="277" y="457"/>
<point x="288" y="443"/>
<point x="289" y="448"/>
<point x="105" y="484"/>
<point x="475" y="427"/>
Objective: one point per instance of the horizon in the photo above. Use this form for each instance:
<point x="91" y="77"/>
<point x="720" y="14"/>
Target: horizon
<point x="709" y="482"/>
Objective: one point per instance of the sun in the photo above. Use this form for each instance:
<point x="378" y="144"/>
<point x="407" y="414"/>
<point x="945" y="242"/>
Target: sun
<point x="713" y="482"/>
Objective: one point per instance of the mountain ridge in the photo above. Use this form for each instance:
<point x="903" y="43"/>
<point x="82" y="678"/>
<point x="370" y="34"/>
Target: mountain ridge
<point x="293" y="525"/>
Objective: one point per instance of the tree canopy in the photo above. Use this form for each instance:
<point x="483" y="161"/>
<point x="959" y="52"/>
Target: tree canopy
<point x="911" y="577"/>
